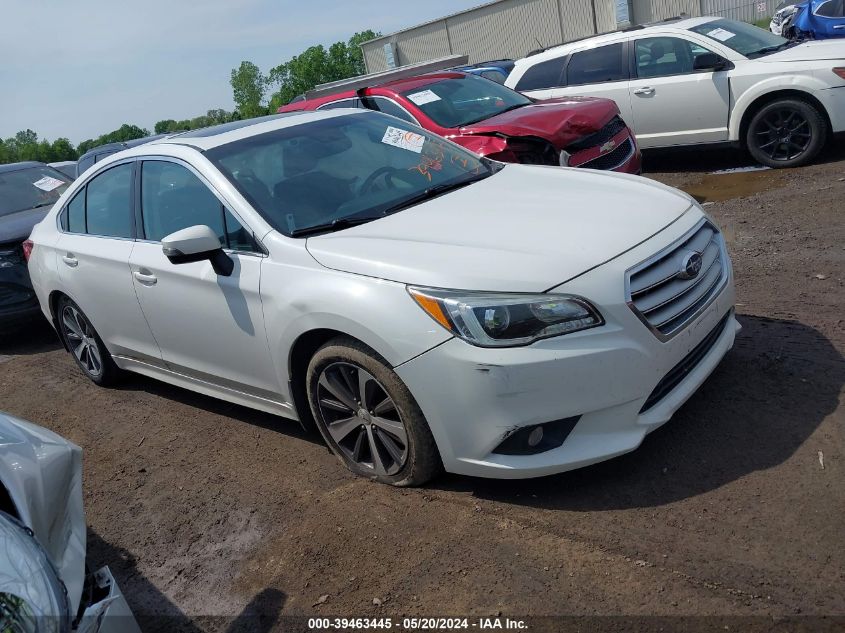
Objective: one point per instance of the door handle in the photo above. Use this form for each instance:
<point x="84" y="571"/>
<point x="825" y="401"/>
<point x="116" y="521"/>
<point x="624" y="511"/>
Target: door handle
<point x="839" y="27"/>
<point x="70" y="260"/>
<point x="147" y="279"/>
<point x="644" y="91"/>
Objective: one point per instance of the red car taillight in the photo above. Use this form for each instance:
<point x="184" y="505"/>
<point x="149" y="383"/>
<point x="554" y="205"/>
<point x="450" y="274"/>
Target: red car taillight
<point x="27" y="249"/>
<point x="840" y="72"/>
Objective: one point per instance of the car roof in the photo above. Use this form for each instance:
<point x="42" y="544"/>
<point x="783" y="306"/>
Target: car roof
<point x="669" y="25"/>
<point x="28" y="164"/>
<point x="216" y="135"/>
<point x="110" y="148"/>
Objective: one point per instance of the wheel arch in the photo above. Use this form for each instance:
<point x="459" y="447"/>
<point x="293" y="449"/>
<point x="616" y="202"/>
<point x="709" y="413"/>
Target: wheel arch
<point x="53" y="303"/>
<point x="301" y="352"/>
<point x="764" y="99"/>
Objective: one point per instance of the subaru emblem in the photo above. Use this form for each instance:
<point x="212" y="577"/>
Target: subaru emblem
<point x="691" y="265"/>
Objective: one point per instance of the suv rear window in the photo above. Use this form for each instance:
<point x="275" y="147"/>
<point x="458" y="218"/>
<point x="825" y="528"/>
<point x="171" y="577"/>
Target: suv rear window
<point x="597" y="65"/>
<point x="543" y="75"/>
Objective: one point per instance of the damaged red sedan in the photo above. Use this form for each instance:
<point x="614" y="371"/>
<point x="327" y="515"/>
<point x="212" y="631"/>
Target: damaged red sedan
<point x="491" y="120"/>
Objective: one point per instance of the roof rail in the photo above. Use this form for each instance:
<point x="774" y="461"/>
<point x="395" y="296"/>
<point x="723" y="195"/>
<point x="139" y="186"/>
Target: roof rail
<point x="374" y="79"/>
<point x="537" y="51"/>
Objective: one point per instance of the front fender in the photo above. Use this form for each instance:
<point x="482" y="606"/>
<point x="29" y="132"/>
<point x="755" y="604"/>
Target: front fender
<point x="379" y="313"/>
<point x="799" y="83"/>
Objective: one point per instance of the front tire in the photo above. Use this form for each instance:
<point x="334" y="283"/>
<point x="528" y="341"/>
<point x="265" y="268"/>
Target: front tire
<point x="368" y="417"/>
<point x="786" y="133"/>
<point x="85" y="345"/>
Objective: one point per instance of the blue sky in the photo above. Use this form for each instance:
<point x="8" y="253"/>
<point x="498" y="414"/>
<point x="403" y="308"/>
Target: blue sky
<point x="82" y="68"/>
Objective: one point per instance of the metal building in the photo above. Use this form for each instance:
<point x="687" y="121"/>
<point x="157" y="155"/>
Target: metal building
<point x="500" y="29"/>
<point x="512" y="28"/>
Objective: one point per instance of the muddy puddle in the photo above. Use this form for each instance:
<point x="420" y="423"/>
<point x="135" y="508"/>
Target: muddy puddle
<point x="717" y="187"/>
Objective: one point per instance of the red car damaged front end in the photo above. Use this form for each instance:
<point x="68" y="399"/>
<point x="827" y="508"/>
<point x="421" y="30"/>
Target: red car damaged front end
<point x="574" y="132"/>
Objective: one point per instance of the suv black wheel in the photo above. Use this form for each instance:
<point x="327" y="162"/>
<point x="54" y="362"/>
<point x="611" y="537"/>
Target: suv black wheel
<point x="368" y="417"/>
<point x="786" y="133"/>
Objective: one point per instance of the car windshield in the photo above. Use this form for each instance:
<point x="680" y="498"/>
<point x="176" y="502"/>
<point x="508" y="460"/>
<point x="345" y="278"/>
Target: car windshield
<point x="346" y="169"/>
<point x="30" y="188"/>
<point x="745" y="39"/>
<point x="462" y="101"/>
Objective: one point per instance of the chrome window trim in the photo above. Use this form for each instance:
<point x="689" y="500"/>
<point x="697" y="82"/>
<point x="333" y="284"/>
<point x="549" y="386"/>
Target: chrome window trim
<point x="414" y="119"/>
<point x="723" y="255"/>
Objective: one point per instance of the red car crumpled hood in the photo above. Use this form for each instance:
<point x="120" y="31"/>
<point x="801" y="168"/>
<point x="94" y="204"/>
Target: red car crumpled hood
<point x="561" y="121"/>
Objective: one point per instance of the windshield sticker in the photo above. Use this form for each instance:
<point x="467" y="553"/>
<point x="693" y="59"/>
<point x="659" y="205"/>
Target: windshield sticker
<point x="406" y="140"/>
<point x="421" y="98"/>
<point x="48" y="183"/>
<point x="721" y="34"/>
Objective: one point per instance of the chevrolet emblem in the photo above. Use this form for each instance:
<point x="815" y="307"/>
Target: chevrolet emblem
<point x="604" y="149"/>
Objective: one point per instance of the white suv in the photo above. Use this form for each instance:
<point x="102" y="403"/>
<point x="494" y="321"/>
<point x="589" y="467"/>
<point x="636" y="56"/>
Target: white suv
<point x="704" y="80"/>
<point x="422" y="305"/>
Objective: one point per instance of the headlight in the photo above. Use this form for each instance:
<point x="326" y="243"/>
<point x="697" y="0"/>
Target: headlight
<point x="9" y="257"/>
<point x="32" y="598"/>
<point x="506" y="320"/>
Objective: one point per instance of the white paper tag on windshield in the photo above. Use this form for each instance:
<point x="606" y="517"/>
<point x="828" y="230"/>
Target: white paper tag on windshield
<point x="48" y="183"/>
<point x="406" y="140"/>
<point x="421" y="98"/>
<point x="721" y="34"/>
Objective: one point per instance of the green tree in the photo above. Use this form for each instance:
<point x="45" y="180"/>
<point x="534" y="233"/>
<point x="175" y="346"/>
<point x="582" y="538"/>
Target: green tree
<point x="63" y="149"/>
<point x="317" y="65"/>
<point x="248" y="88"/>
<point x="165" y="126"/>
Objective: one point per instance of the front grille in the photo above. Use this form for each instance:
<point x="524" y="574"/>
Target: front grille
<point x="14" y="294"/>
<point x="690" y="362"/>
<point x="609" y="131"/>
<point x="12" y="253"/>
<point x="613" y="159"/>
<point x="664" y="296"/>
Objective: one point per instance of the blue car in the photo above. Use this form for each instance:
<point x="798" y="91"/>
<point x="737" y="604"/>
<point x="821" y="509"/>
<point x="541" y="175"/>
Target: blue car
<point x="818" y="19"/>
<point x="497" y="70"/>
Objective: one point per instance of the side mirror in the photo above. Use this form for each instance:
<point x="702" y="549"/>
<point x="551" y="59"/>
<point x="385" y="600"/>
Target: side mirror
<point x="195" y="244"/>
<point x="709" y="61"/>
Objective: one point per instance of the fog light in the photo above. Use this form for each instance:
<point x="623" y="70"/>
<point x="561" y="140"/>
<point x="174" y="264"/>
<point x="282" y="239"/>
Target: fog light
<point x="531" y="440"/>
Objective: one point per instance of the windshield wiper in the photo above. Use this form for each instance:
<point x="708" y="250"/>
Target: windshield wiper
<point x="490" y="116"/>
<point x="773" y="49"/>
<point x="334" y="225"/>
<point x="433" y="192"/>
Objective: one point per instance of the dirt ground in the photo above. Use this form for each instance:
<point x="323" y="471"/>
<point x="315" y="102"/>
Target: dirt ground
<point x="734" y="508"/>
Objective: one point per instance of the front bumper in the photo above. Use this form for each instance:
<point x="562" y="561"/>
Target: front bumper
<point x="110" y="613"/>
<point x="474" y="397"/>
<point x="18" y="302"/>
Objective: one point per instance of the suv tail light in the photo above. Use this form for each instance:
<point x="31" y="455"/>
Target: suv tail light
<point x="27" y="249"/>
<point x="840" y="72"/>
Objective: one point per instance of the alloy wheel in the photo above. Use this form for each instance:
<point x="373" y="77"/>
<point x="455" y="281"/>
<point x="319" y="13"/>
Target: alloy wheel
<point x="82" y="341"/>
<point x="362" y="418"/>
<point x="783" y="134"/>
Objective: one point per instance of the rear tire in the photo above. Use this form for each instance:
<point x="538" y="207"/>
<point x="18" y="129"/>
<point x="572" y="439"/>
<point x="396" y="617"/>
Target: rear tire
<point x="85" y="345"/>
<point x="368" y="417"/>
<point x="786" y="133"/>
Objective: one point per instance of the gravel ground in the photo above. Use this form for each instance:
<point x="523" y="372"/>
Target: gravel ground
<point x="734" y="508"/>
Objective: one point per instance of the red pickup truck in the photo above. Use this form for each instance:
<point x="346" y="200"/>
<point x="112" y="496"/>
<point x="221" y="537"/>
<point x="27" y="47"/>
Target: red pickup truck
<point x="494" y="121"/>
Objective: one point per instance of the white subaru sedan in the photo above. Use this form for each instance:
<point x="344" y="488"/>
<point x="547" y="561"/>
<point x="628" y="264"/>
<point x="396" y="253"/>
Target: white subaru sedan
<point x="424" y="307"/>
<point x="704" y="80"/>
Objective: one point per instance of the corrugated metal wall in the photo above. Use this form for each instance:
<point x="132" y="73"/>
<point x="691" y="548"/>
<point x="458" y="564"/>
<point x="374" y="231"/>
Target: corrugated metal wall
<point x="501" y="29"/>
<point x="512" y="28"/>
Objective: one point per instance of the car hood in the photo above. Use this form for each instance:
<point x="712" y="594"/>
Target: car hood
<point x="17" y="226"/>
<point x="809" y="51"/>
<point x="524" y="229"/>
<point x="42" y="473"/>
<point x="560" y="121"/>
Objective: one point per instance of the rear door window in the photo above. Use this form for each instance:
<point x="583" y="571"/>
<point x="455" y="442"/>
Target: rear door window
<point x="108" y="206"/>
<point x="597" y="65"/>
<point x="544" y="75"/>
